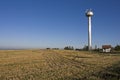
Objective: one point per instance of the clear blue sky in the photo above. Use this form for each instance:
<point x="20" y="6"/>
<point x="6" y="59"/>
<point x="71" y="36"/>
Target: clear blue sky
<point x="58" y="23"/>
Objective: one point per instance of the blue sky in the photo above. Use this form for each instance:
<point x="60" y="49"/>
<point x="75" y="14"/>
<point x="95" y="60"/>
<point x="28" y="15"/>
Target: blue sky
<point x="58" y="23"/>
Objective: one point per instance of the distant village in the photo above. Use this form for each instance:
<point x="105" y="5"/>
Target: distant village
<point x="105" y="48"/>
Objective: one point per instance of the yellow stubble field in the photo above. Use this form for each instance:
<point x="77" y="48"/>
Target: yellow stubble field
<point x="58" y="65"/>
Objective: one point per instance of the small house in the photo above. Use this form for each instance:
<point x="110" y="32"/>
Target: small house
<point x="106" y="48"/>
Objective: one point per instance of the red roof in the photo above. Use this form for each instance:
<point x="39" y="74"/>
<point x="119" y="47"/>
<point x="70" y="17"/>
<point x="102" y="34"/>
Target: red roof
<point x="106" y="46"/>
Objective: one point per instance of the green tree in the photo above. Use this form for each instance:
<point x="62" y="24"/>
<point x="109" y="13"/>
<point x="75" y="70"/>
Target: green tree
<point x="69" y="48"/>
<point x="85" y="48"/>
<point x="117" y="48"/>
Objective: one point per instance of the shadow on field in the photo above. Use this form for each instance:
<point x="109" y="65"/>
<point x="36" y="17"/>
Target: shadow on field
<point x="108" y="52"/>
<point x="74" y="56"/>
<point x="110" y="73"/>
<point x="69" y="78"/>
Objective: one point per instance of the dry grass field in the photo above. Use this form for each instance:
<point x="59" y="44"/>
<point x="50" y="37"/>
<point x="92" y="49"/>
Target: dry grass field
<point x="58" y="65"/>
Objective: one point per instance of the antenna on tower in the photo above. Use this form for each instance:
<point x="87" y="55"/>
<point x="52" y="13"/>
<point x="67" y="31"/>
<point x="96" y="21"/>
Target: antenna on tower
<point x="86" y="10"/>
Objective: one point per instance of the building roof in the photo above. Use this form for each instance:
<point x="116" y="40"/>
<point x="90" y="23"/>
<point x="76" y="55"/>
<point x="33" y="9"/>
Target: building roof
<point x="106" y="46"/>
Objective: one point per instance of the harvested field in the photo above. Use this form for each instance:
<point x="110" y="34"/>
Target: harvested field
<point x="58" y="65"/>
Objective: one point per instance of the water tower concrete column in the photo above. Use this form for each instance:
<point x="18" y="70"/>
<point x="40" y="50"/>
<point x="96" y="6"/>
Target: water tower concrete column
<point x="89" y="14"/>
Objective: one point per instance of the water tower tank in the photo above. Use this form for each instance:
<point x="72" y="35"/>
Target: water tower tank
<point x="89" y="13"/>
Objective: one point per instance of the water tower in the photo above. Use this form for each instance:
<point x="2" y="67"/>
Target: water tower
<point x="89" y="14"/>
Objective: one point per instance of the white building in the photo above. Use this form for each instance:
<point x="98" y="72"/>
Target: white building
<point x="106" y="48"/>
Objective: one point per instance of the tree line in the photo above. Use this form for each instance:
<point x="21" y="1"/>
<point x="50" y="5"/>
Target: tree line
<point x="85" y="48"/>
